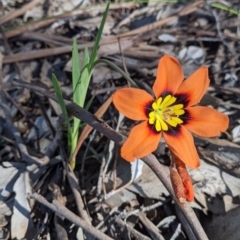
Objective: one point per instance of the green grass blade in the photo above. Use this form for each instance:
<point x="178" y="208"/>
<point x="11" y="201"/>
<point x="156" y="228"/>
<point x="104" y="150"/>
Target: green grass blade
<point x="85" y="78"/>
<point x="61" y="101"/>
<point x="225" y="8"/>
<point x="80" y="86"/>
<point x="81" y="78"/>
<point x="75" y="71"/>
<point x="76" y="88"/>
<point x="99" y="34"/>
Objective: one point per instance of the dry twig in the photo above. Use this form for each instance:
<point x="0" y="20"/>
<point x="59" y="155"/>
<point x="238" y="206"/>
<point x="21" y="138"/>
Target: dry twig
<point x="63" y="211"/>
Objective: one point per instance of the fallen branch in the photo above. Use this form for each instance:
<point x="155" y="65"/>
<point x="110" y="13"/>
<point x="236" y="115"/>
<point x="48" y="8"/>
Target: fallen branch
<point x="58" y="208"/>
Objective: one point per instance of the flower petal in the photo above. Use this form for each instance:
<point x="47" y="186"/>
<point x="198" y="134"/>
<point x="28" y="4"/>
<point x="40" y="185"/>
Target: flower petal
<point x="141" y="142"/>
<point x="195" y="86"/>
<point x="132" y="102"/>
<point x="182" y="145"/>
<point x="206" y="121"/>
<point x="169" y="76"/>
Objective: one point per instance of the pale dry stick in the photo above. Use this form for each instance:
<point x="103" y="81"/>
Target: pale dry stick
<point x="60" y="209"/>
<point x="16" y="13"/>
<point x="24" y="56"/>
<point x="150" y="160"/>
<point x="78" y="198"/>
<point x="177" y="233"/>
<point x="227" y="104"/>
<point x="46" y="38"/>
<point x="18" y="57"/>
<point x="39" y="24"/>
<point x="231" y="90"/>
<point x="136" y="52"/>
<point x="73" y="182"/>
<point x="143" y="209"/>
<point x="167" y="220"/>
<point x="100" y="178"/>
<point x="57" y="38"/>
<point x="115" y="191"/>
<point x="28" y="28"/>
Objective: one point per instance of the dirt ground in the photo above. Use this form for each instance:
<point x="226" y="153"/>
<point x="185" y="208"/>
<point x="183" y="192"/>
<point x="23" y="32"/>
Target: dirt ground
<point x="106" y="197"/>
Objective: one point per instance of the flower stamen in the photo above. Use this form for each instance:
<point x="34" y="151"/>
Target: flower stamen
<point x="165" y="114"/>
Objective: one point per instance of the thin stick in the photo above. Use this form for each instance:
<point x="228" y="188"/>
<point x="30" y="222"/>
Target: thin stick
<point x="60" y="209"/>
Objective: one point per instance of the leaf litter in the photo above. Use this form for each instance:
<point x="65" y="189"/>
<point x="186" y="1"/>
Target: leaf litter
<point x="104" y="189"/>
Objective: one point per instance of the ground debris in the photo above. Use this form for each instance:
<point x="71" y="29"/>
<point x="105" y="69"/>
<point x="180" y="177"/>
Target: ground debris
<point x="106" y="197"/>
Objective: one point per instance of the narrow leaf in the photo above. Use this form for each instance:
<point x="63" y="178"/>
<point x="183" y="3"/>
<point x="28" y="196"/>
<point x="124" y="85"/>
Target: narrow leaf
<point x="99" y="34"/>
<point x="76" y="88"/>
<point x="225" y="8"/>
<point x="61" y="101"/>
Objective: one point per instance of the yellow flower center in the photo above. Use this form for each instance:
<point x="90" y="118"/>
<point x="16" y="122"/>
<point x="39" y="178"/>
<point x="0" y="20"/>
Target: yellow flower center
<point x="164" y="113"/>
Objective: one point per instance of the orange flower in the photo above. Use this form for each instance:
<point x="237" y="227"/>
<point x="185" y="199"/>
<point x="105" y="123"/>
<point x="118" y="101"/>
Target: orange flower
<point x="171" y="113"/>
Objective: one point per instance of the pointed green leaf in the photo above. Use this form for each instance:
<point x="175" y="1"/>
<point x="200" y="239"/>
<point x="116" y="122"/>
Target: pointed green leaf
<point x="61" y="101"/>
<point x="99" y="34"/>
